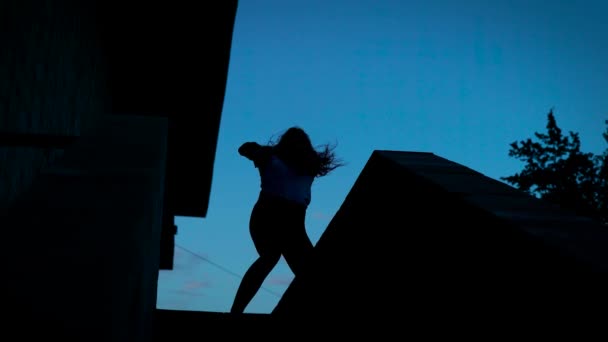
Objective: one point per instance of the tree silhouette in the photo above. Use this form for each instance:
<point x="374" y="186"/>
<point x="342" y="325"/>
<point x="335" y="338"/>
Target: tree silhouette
<point x="556" y="170"/>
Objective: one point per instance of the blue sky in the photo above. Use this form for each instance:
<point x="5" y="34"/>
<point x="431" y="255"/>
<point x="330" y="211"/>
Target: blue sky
<point x="461" y="79"/>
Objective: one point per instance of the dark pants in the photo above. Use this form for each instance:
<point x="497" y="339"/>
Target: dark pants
<point x="277" y="227"/>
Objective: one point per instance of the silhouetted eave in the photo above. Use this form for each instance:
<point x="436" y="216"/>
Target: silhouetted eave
<point x="171" y="59"/>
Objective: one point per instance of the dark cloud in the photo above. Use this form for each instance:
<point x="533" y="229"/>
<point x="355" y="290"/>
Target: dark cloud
<point x="281" y="280"/>
<point x="188" y="293"/>
<point x="317" y="215"/>
<point x="195" y="285"/>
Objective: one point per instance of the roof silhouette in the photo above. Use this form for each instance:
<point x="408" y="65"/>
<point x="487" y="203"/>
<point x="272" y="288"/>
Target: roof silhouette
<point x="434" y="239"/>
<point x="172" y="61"/>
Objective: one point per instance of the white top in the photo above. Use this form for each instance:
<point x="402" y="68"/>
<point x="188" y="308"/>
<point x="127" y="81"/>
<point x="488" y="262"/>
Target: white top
<point x="280" y="180"/>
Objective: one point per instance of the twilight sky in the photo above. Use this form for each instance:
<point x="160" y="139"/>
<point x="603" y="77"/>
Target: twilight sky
<point x="461" y="79"/>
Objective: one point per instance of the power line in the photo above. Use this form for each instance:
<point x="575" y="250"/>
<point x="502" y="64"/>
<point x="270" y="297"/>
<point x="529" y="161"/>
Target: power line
<point x="224" y="268"/>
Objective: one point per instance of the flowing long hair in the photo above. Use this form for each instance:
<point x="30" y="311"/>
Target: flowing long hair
<point x="296" y="150"/>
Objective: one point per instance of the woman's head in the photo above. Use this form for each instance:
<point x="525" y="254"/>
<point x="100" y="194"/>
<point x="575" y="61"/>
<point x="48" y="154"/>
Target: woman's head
<point x="296" y="149"/>
<point x="295" y="139"/>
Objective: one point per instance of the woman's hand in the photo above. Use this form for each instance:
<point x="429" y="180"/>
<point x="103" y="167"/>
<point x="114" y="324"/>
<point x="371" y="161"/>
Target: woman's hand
<point x="249" y="149"/>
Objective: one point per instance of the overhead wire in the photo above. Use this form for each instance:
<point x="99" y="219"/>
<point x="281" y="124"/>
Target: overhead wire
<point x="222" y="268"/>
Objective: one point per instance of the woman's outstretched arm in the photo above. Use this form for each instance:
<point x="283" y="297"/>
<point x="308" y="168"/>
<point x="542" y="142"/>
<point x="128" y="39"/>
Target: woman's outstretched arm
<point x="255" y="152"/>
<point x="249" y="149"/>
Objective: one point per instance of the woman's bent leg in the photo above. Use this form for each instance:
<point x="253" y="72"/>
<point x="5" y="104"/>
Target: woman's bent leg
<point x="252" y="281"/>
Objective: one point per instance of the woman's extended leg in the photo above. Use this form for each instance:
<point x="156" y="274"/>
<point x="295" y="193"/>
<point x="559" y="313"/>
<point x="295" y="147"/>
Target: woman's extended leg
<point x="252" y="281"/>
<point x="297" y="249"/>
<point x="262" y="226"/>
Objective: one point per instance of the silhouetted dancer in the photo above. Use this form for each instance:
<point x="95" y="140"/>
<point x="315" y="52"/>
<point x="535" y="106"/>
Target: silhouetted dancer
<point x="287" y="170"/>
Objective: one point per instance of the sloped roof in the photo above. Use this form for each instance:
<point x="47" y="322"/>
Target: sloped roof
<point x="171" y="60"/>
<point x="427" y="236"/>
<point x="580" y="236"/>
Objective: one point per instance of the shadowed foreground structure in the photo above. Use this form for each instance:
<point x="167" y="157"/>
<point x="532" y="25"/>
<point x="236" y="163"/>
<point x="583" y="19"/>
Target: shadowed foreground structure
<point x="422" y="237"/>
<point x="425" y="245"/>
<point x="103" y="105"/>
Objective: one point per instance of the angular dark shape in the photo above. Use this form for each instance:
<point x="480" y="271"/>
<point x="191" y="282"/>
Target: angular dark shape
<point x="109" y="117"/>
<point x="422" y="237"/>
<point x="81" y="247"/>
<point x="172" y="61"/>
<point x="182" y="325"/>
